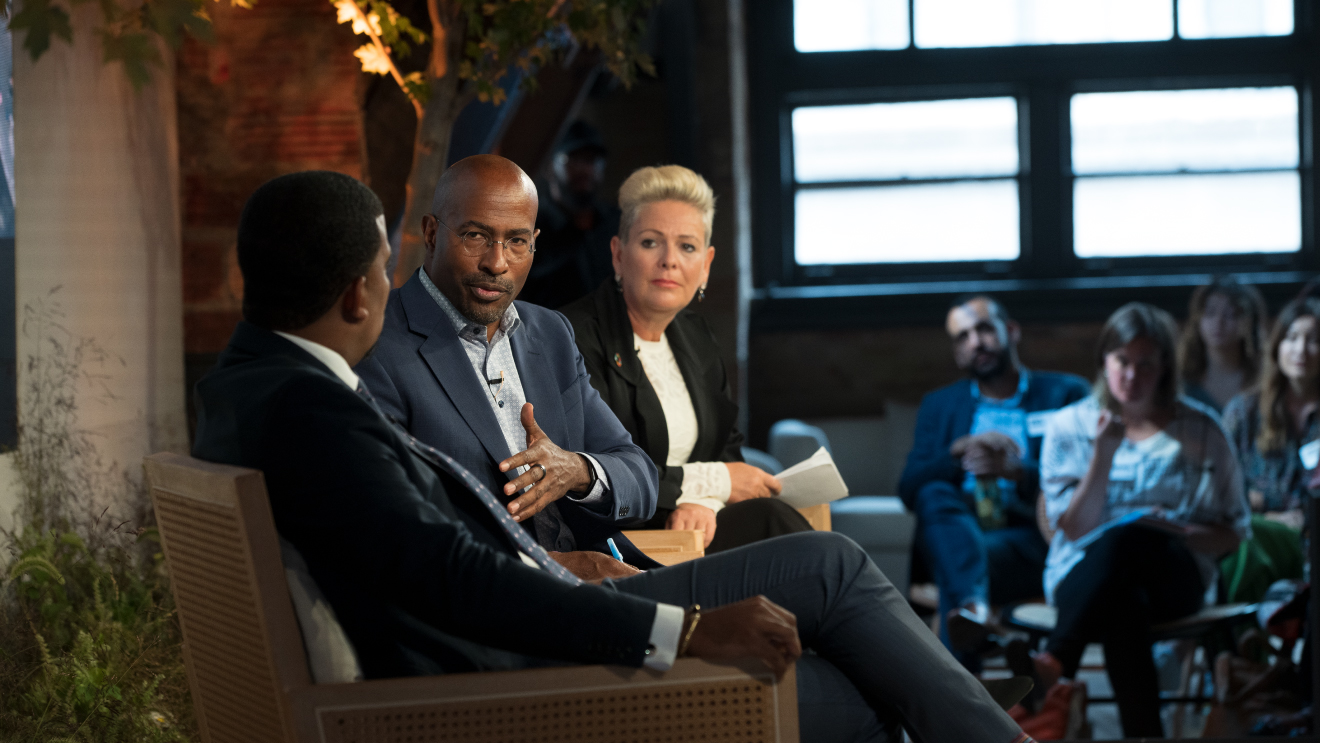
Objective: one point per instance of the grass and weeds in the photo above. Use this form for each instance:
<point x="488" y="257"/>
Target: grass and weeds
<point x="90" y="648"/>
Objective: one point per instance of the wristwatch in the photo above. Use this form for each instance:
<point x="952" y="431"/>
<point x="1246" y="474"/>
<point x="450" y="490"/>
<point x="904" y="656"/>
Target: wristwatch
<point x="591" y="470"/>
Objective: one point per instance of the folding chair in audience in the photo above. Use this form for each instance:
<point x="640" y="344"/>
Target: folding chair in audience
<point x="1038" y="621"/>
<point x="250" y="678"/>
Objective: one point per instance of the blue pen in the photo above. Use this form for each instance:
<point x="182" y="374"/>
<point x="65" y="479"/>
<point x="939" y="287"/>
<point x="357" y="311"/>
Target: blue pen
<point x="614" y="550"/>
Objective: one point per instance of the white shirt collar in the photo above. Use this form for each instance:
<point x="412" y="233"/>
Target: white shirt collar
<point x="328" y="356"/>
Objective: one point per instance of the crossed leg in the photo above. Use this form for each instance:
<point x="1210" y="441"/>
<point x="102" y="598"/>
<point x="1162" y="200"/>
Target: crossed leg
<point x="853" y="619"/>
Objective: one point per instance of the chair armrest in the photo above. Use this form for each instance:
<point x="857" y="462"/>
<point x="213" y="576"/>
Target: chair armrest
<point x="669" y="546"/>
<point x="601" y="703"/>
<point x="818" y="516"/>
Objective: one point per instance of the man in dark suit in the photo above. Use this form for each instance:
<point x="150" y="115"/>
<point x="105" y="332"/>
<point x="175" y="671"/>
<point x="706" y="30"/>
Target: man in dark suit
<point x="973" y="474"/>
<point x="500" y="386"/>
<point x="429" y="573"/>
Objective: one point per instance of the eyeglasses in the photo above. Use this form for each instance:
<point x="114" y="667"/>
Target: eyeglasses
<point x="475" y="243"/>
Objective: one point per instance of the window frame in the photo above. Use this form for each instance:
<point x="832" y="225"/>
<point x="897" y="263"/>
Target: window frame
<point x="1042" y="79"/>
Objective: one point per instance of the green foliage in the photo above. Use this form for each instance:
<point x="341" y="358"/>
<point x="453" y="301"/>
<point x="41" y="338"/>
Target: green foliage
<point x="90" y="648"/>
<point x="396" y="31"/>
<point x="501" y="35"/>
<point x="130" y="31"/>
<point x="100" y="657"/>
<point x="417" y="87"/>
<point x="527" y="34"/>
<point x="40" y="20"/>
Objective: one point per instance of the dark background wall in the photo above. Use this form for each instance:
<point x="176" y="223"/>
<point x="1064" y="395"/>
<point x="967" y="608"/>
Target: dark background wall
<point x="280" y="91"/>
<point x="844" y="373"/>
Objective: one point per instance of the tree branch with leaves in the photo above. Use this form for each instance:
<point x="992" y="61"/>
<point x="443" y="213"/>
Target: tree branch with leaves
<point x="130" y="31"/>
<point x="473" y="46"/>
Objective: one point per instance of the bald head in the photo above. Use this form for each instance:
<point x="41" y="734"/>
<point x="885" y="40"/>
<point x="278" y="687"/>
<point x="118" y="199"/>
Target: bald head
<point x="481" y="201"/>
<point x="479" y="173"/>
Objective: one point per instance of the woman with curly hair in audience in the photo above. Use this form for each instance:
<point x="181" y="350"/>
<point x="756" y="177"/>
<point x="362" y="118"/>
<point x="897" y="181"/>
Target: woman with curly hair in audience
<point x="1143" y="491"/>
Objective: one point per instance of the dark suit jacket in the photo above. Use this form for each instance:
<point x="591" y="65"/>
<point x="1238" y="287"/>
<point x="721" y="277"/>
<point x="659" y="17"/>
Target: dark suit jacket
<point x="420" y="574"/>
<point x="421" y="376"/>
<point x="946" y="414"/>
<point x="605" y="337"/>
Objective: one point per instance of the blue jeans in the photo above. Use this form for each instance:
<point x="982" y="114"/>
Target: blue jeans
<point x="997" y="567"/>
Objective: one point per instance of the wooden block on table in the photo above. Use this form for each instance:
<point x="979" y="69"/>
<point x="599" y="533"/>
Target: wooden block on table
<point x="669" y="546"/>
<point x="818" y="516"/>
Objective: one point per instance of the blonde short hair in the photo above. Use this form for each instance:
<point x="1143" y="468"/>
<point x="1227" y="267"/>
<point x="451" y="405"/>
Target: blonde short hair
<point x="665" y="183"/>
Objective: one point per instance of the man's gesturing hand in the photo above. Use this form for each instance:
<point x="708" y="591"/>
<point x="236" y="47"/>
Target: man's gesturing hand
<point x="754" y="627"/>
<point x="564" y="471"/>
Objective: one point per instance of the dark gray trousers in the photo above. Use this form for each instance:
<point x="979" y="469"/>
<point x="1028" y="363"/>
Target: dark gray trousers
<point x="874" y="661"/>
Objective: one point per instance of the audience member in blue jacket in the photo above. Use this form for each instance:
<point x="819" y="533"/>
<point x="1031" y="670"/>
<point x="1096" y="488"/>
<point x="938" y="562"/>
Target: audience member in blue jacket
<point x="973" y="474"/>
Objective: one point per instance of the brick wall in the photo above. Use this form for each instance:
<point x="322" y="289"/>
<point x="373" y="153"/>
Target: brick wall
<point x="829" y="373"/>
<point x="276" y="93"/>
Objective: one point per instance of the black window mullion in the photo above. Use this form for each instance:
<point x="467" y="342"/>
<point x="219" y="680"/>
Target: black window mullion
<point x="912" y="24"/>
<point x="1309" y="256"/>
<point x="1047" y="183"/>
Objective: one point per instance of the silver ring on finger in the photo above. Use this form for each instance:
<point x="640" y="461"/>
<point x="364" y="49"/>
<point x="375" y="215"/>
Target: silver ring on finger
<point x="543" y="473"/>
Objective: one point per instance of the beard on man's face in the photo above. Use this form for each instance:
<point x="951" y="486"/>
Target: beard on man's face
<point x="987" y="365"/>
<point x="484" y="313"/>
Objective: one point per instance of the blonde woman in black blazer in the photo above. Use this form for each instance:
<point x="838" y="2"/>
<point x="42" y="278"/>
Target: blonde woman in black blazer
<point x="657" y="365"/>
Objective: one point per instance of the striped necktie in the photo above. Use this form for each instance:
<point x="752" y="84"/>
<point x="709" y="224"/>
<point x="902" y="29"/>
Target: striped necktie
<point x="446" y="463"/>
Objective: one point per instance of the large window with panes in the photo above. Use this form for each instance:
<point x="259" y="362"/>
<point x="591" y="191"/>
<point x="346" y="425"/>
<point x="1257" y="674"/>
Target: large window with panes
<point x="904" y="147"/>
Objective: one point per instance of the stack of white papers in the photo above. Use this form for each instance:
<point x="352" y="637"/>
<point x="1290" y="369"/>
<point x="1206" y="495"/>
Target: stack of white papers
<point x="812" y="481"/>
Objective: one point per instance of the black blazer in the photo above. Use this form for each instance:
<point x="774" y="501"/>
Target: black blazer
<point x="605" y="337"/>
<point x="419" y="573"/>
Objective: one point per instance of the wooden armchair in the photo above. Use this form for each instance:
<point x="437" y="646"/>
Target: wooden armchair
<point x="249" y="675"/>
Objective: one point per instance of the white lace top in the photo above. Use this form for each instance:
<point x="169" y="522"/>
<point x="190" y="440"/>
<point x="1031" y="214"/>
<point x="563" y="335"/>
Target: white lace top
<point x="704" y="483"/>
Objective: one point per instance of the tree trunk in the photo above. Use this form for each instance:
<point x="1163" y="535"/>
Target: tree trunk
<point x="430" y="151"/>
<point x="431" y="145"/>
